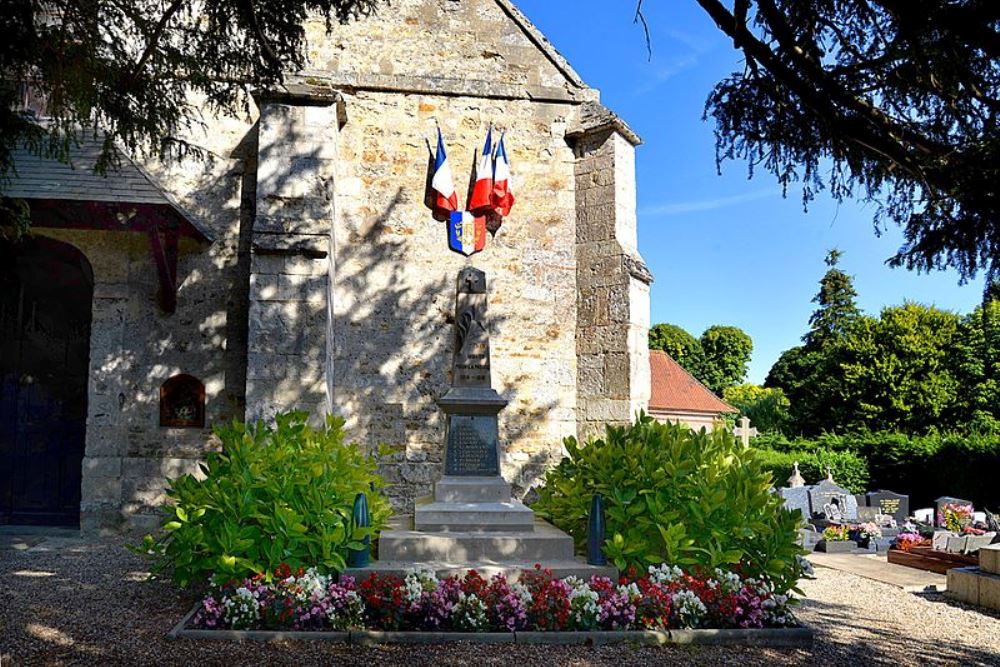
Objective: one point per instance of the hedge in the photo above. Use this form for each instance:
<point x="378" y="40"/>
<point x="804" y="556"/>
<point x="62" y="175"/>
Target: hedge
<point x="923" y="467"/>
<point x="849" y="469"/>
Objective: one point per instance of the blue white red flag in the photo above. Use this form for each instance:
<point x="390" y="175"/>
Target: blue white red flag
<point x="481" y="200"/>
<point x="443" y="183"/>
<point x="466" y="232"/>
<point x="503" y="193"/>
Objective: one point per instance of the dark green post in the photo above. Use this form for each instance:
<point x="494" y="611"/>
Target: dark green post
<point x="360" y="519"/>
<point x="595" y="532"/>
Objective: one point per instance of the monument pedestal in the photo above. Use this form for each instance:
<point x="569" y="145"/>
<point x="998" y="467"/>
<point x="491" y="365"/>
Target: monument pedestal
<point x="471" y="521"/>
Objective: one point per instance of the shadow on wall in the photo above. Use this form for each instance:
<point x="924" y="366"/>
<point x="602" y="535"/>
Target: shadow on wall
<point x="393" y="340"/>
<point x="135" y="347"/>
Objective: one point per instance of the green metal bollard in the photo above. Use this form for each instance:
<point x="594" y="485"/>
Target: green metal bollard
<point x="595" y="532"/>
<point x="360" y="519"/>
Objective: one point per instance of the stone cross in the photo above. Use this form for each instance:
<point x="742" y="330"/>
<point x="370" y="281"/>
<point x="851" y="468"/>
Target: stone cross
<point x="745" y="432"/>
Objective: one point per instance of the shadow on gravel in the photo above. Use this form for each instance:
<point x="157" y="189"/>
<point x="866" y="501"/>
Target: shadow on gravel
<point x="940" y="598"/>
<point x="851" y="639"/>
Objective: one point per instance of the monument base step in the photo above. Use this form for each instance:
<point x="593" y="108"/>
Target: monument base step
<point x="545" y="543"/>
<point x="432" y="516"/>
<point x="487" y="568"/>
<point x="472" y="490"/>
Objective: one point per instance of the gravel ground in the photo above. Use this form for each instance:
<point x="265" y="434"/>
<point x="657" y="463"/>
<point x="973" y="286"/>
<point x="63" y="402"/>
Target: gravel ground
<point x="85" y="603"/>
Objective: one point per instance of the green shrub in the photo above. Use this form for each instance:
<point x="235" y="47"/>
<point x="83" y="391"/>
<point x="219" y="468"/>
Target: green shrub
<point x="677" y="496"/>
<point x="925" y="467"/>
<point x="849" y="469"/>
<point x="274" y="494"/>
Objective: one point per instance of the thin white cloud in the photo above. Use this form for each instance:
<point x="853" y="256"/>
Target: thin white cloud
<point x="679" y="208"/>
<point x="673" y="67"/>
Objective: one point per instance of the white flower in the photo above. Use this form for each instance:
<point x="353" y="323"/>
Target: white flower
<point x="664" y="574"/>
<point x="418" y="582"/>
<point x="688" y="608"/>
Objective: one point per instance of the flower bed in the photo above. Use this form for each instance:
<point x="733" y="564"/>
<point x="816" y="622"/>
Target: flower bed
<point x="663" y="599"/>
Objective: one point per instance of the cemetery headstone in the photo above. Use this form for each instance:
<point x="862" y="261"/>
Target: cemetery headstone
<point x="940" y="503"/>
<point x="797" y="481"/>
<point x="744" y="431"/>
<point x="833" y="502"/>
<point x="868" y="515"/>
<point x="797" y="499"/>
<point x="956" y="545"/>
<point x="976" y="542"/>
<point x="891" y="504"/>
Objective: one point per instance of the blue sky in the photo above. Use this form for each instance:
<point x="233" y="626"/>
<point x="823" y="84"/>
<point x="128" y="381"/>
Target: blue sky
<point x="723" y="249"/>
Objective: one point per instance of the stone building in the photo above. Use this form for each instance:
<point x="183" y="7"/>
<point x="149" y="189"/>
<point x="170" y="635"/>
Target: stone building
<point x="298" y="267"/>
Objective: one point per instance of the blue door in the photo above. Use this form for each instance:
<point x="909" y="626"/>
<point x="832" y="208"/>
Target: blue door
<point x="46" y="290"/>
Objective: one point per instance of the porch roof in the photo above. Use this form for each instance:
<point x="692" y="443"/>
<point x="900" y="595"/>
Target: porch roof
<point x="127" y="198"/>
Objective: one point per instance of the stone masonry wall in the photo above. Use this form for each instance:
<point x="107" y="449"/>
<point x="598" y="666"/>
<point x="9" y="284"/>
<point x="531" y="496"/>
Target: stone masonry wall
<point x="613" y="281"/>
<point x="329" y="285"/>
<point x="287" y="364"/>
<point x="135" y="347"/>
<point x="393" y="291"/>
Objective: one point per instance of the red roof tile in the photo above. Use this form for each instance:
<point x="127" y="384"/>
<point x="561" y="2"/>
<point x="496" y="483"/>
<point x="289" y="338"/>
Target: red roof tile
<point x="673" y="388"/>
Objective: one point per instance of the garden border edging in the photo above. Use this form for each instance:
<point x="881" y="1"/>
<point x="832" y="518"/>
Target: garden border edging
<point x="801" y="637"/>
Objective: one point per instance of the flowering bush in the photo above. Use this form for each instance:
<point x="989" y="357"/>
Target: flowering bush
<point x="837" y="534"/>
<point x="955" y="516"/>
<point x="662" y="598"/>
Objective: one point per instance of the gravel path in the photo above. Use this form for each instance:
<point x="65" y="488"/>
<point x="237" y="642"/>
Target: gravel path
<point x="86" y="603"/>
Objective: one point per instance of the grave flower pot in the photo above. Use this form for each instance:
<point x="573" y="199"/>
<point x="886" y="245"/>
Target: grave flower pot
<point x="836" y="547"/>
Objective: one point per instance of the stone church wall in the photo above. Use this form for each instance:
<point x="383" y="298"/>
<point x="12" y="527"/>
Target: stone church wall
<point x="330" y="286"/>
<point x="135" y="346"/>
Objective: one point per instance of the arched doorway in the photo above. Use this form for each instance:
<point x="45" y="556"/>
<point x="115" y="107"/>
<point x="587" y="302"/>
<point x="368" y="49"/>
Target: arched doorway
<point x="46" y="291"/>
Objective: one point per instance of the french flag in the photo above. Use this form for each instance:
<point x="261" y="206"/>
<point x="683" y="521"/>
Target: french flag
<point x="481" y="200"/>
<point x="443" y="183"/>
<point x="503" y="194"/>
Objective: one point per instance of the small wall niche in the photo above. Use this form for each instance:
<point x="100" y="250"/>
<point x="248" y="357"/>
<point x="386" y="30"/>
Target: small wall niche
<point x="182" y="402"/>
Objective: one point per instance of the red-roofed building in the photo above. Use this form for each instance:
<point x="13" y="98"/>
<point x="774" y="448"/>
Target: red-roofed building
<point x="676" y="396"/>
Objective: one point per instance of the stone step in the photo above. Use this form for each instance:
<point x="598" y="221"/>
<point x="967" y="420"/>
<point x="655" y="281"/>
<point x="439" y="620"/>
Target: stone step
<point x="472" y="490"/>
<point x="545" y="543"/>
<point x="511" y="569"/>
<point x="989" y="559"/>
<point x="432" y="516"/>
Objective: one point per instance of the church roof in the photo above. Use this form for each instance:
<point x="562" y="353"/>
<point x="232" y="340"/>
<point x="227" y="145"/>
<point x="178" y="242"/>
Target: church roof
<point x="46" y="179"/>
<point x="676" y="390"/>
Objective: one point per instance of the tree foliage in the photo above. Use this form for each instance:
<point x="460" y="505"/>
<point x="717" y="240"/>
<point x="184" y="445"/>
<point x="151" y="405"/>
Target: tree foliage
<point x="727" y="355"/>
<point x="141" y="72"/>
<point x="684" y="348"/>
<point x="892" y="101"/>
<point x="914" y="368"/>
<point x="837" y="300"/>
<point x="766" y="408"/>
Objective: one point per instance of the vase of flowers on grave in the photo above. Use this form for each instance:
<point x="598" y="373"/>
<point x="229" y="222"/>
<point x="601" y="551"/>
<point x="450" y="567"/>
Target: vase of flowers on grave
<point x="954" y="517"/>
<point x="867" y="532"/>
